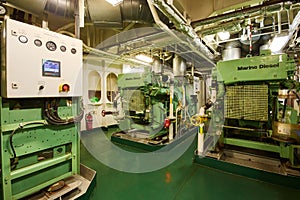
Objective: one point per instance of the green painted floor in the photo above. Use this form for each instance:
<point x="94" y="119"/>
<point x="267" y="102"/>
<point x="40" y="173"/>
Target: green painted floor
<point x="182" y="180"/>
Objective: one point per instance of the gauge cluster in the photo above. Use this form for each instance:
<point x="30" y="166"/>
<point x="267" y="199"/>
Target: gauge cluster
<point x="50" y="45"/>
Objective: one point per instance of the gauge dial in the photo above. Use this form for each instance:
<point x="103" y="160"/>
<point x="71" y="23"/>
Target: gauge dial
<point x="23" y="39"/>
<point x="2" y="10"/>
<point x="38" y="42"/>
<point x="73" y="51"/>
<point x="51" y="46"/>
<point x="63" y="48"/>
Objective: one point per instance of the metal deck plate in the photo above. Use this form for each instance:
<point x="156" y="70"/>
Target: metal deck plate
<point x="75" y="186"/>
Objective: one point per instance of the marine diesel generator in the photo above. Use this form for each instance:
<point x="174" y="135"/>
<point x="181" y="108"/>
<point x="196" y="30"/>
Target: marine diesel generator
<point x="155" y="106"/>
<point x="256" y="111"/>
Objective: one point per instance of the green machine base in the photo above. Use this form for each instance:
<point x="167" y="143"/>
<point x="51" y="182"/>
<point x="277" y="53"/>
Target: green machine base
<point x="138" y="143"/>
<point x="145" y="144"/>
<point x="251" y="166"/>
<point x="36" y="155"/>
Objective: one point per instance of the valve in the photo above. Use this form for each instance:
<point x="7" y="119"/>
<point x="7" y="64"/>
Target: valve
<point x="104" y="113"/>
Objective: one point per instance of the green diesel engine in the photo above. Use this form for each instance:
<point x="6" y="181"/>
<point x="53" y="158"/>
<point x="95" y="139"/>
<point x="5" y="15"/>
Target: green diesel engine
<point x="155" y="105"/>
<point x="257" y="107"/>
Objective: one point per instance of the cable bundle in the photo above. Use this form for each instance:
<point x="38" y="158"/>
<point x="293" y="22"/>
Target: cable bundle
<point x="51" y="114"/>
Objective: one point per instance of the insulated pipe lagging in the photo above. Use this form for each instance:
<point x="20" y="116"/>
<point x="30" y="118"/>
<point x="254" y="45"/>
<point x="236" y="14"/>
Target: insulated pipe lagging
<point x="176" y="124"/>
<point x="171" y="115"/>
<point x="200" y="141"/>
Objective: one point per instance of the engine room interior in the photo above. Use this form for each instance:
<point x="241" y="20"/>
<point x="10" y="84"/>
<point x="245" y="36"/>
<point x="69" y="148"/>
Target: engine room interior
<point x="97" y="93"/>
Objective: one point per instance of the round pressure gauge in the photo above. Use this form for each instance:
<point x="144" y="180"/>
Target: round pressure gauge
<point x="63" y="48"/>
<point x="73" y="51"/>
<point x="2" y="9"/>
<point x="51" y="46"/>
<point x="38" y="42"/>
<point x="23" y="39"/>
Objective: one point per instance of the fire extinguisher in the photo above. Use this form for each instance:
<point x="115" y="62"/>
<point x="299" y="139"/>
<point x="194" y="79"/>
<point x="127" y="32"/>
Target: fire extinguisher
<point x="89" y="121"/>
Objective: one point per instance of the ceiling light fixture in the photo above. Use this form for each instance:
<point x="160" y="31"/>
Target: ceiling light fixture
<point x="114" y="2"/>
<point x="144" y="58"/>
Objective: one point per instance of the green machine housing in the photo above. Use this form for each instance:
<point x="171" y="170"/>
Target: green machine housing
<point x="40" y="111"/>
<point x="259" y="103"/>
<point x="34" y="153"/>
<point x="155" y="105"/>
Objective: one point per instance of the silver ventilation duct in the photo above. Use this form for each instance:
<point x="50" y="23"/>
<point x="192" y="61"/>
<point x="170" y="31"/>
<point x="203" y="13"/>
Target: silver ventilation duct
<point x="101" y="13"/>
<point x="64" y="8"/>
<point x="136" y="11"/>
<point x="104" y="15"/>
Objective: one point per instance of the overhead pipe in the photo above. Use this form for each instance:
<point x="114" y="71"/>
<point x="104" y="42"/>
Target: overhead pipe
<point x="249" y="28"/>
<point x="179" y="108"/>
<point x="279" y="22"/>
<point x="183" y="27"/>
<point x="77" y="18"/>
<point x="209" y="25"/>
<point x="171" y="3"/>
<point x="232" y="26"/>
<point x="233" y="14"/>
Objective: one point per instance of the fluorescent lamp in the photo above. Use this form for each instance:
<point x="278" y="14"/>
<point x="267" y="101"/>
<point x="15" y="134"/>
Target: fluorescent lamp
<point x="278" y="43"/>
<point x="223" y="35"/>
<point x="144" y="58"/>
<point x="114" y="2"/>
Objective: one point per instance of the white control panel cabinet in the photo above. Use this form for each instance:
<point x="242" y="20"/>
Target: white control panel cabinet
<point x="39" y="62"/>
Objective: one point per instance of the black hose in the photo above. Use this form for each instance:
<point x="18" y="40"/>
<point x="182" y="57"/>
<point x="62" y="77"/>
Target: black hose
<point x="51" y="114"/>
<point x="52" y="120"/>
<point x="11" y="144"/>
<point x="49" y="117"/>
<point x="54" y="110"/>
<point x="11" y="139"/>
